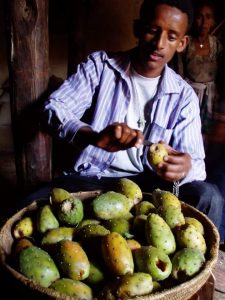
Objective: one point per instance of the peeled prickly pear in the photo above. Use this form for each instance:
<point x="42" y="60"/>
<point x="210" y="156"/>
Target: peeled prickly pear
<point x="156" y="154"/>
<point x="36" y="264"/>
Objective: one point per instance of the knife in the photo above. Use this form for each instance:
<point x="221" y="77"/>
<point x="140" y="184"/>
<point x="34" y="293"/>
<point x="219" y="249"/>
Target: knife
<point x="147" y="143"/>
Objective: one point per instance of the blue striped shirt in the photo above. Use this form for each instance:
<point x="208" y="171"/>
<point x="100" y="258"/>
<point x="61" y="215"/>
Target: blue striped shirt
<point x="102" y="84"/>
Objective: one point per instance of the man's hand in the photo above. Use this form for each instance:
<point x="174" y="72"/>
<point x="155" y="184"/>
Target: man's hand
<point x="118" y="136"/>
<point x="115" y="137"/>
<point x="175" y="166"/>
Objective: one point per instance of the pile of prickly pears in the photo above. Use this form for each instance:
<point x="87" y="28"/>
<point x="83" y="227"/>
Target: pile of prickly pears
<point x="118" y="245"/>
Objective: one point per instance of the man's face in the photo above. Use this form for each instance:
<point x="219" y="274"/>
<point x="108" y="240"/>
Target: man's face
<point x="160" y="38"/>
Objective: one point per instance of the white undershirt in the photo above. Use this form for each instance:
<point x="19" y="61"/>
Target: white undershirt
<point x="129" y="162"/>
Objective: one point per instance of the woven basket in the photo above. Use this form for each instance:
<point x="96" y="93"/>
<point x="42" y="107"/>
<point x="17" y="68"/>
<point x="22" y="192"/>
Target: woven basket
<point x="182" y="291"/>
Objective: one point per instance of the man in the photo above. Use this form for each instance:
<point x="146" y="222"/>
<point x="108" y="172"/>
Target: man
<point x="132" y="96"/>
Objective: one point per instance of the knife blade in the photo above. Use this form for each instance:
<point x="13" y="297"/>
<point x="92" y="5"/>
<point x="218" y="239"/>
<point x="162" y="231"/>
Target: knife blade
<point x="147" y="143"/>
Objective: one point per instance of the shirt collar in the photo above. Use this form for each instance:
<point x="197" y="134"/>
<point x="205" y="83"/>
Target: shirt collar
<point x="170" y="82"/>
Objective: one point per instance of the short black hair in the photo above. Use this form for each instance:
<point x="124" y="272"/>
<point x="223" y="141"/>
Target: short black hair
<point x="186" y="6"/>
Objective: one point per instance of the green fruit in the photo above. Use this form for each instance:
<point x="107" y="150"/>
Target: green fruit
<point x="186" y="263"/>
<point x="46" y="219"/>
<point x="130" y="189"/>
<point x="156" y="154"/>
<point x="111" y="205"/>
<point x="120" y="225"/>
<point x="58" y="195"/>
<point x="153" y="261"/>
<point x="164" y="198"/>
<point x="96" y="276"/>
<point x="172" y="215"/>
<point x="189" y="237"/>
<point x="144" y="208"/>
<point x="117" y="254"/>
<point x="70" y="287"/>
<point x="70" y="211"/>
<point x="57" y="234"/>
<point x="91" y="231"/>
<point x="23" y="228"/>
<point x="134" y="285"/>
<point x="193" y="221"/>
<point x="88" y="222"/>
<point x="71" y="260"/>
<point x="37" y="265"/>
<point x="159" y="234"/>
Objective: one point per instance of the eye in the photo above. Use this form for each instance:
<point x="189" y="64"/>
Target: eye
<point x="172" y="37"/>
<point x="150" y="29"/>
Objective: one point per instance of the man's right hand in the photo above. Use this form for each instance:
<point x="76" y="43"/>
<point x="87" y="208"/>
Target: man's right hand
<point x="115" y="137"/>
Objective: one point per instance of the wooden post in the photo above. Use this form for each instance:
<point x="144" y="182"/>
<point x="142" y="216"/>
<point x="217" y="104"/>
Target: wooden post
<point x="28" y="48"/>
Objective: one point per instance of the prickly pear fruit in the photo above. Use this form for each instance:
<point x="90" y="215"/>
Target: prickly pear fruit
<point x="23" y="228"/>
<point x="172" y="215"/>
<point x="130" y="189"/>
<point x="188" y="236"/>
<point x="154" y="261"/>
<point x="139" y="224"/>
<point x="144" y="208"/>
<point x="88" y="222"/>
<point x="96" y="276"/>
<point x="46" y="219"/>
<point x="57" y="234"/>
<point x="119" y="225"/>
<point x="36" y="264"/>
<point x="198" y="225"/>
<point x="70" y="211"/>
<point x="91" y="231"/>
<point x="156" y="154"/>
<point x="159" y="234"/>
<point x="72" y="260"/>
<point x="70" y="287"/>
<point x="164" y="198"/>
<point x="20" y="245"/>
<point x="186" y="263"/>
<point x="111" y="205"/>
<point x="134" y="285"/>
<point x="117" y="254"/>
<point x="58" y="195"/>
<point x="133" y="244"/>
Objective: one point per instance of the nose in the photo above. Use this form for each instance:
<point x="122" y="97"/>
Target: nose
<point x="160" y="40"/>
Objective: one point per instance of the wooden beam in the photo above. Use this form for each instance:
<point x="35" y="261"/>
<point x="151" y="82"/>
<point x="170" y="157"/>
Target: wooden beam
<point x="28" y="45"/>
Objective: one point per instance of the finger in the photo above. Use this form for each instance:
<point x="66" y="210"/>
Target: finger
<point x="118" y="131"/>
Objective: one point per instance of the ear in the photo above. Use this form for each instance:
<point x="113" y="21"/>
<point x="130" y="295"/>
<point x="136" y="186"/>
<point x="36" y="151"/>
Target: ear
<point x="183" y="43"/>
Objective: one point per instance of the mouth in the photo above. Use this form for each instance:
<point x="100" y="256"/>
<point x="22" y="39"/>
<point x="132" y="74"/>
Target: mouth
<point x="155" y="56"/>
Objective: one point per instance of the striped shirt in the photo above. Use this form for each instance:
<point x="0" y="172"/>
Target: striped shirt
<point x="101" y="85"/>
